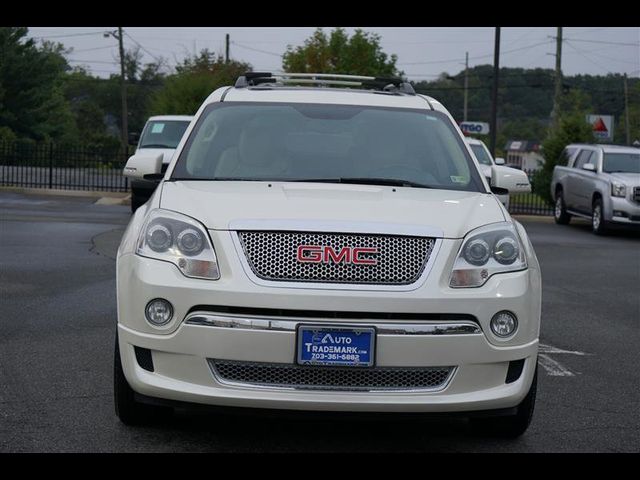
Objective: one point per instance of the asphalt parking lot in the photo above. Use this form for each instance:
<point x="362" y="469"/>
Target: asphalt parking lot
<point x="57" y="325"/>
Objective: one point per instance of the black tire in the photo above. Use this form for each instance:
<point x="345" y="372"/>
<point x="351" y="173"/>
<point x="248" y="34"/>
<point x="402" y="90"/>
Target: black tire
<point x="560" y="214"/>
<point x="598" y="224"/>
<point x="136" y="201"/>
<point x="513" y="425"/>
<point x="128" y="410"/>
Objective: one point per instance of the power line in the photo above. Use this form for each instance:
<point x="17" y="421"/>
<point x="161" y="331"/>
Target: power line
<point x="604" y="42"/>
<point x="587" y="58"/>
<point x="91" y="49"/>
<point x="591" y="52"/>
<point x="476" y="57"/>
<point x="257" y="49"/>
<point x="158" y="60"/>
<point x="92" y="61"/>
<point x="68" y="35"/>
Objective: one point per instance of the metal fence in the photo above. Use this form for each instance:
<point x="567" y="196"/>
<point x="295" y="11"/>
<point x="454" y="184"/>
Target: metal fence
<point x="529" y="203"/>
<point x="45" y="165"/>
<point x="87" y="168"/>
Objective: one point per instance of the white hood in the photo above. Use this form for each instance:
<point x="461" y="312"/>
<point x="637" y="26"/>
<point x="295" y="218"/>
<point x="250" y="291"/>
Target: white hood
<point x="218" y="203"/>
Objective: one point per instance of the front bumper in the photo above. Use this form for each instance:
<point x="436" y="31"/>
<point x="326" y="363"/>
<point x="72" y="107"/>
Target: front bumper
<point x="181" y="351"/>
<point x="623" y="211"/>
<point x="182" y="373"/>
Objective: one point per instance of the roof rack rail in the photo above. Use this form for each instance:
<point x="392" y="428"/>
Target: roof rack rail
<point x="386" y="84"/>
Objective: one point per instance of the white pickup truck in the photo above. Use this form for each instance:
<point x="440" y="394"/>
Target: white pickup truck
<point x="600" y="182"/>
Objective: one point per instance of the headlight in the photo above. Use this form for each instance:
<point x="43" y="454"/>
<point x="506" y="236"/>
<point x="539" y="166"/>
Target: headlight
<point x="181" y="240"/>
<point x="618" y="189"/>
<point x="485" y="251"/>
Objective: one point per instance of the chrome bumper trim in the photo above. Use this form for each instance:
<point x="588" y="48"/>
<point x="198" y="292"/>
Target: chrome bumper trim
<point x="289" y="324"/>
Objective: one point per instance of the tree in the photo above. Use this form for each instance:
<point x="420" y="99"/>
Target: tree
<point x="572" y="128"/>
<point x="32" y="104"/>
<point x="360" y="54"/>
<point x="195" y="79"/>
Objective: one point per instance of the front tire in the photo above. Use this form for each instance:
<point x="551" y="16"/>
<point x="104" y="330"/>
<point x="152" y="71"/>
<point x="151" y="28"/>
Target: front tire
<point x="511" y="426"/>
<point x="598" y="224"/>
<point x="560" y="214"/>
<point x="128" y="410"/>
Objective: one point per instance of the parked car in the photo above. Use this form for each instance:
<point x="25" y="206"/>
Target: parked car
<point x="600" y="182"/>
<point x="486" y="161"/>
<point x="161" y="135"/>
<point x="325" y="248"/>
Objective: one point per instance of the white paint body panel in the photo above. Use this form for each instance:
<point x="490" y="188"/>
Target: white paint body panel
<point x="216" y="204"/>
<point x="180" y="351"/>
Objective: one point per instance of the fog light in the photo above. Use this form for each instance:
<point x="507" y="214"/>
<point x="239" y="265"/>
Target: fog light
<point x="504" y="324"/>
<point x="158" y="312"/>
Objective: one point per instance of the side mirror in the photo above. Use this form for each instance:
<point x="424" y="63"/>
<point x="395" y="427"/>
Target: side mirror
<point x="509" y="179"/>
<point x="589" y="167"/>
<point x="144" y="166"/>
<point x="499" y="161"/>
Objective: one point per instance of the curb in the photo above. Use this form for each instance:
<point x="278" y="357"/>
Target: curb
<point x="113" y="201"/>
<point x="549" y="219"/>
<point x="534" y="218"/>
<point x="67" y="193"/>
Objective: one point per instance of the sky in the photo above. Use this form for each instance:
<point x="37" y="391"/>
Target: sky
<point x="423" y="53"/>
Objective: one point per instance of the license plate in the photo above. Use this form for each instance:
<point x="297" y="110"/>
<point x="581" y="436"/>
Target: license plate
<point x="343" y="346"/>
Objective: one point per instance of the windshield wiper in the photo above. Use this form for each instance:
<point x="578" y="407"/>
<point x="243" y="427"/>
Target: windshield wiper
<point x="354" y="180"/>
<point x="364" y="181"/>
<point x="155" y="145"/>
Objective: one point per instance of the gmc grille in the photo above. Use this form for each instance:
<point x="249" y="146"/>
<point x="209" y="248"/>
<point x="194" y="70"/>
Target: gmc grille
<point x="273" y="256"/>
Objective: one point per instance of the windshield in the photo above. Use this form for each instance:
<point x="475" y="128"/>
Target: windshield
<point x="481" y="154"/>
<point x="328" y="143"/>
<point x="163" y="133"/>
<point x="621" y="162"/>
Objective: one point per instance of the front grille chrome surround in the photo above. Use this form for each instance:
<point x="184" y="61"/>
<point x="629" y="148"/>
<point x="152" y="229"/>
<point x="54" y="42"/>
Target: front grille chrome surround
<point x="330" y="378"/>
<point x="272" y="256"/>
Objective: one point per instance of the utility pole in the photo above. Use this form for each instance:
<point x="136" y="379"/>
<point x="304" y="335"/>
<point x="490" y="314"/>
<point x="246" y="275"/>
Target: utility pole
<point x="226" y="56"/>
<point x="626" y="110"/>
<point x="123" y="88"/>
<point x="466" y="83"/>
<point x="555" y="112"/>
<point x="494" y="101"/>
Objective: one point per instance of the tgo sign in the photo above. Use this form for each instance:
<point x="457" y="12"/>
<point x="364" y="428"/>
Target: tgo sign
<point x="477" y="128"/>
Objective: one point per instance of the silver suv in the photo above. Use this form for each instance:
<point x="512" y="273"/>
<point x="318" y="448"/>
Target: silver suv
<point x="600" y="182"/>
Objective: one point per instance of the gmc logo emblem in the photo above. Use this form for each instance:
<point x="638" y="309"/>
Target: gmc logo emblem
<point x="326" y="254"/>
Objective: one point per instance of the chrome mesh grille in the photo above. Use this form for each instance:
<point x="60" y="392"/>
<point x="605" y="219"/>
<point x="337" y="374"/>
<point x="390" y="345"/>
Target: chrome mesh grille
<point x="287" y="375"/>
<point x="273" y="256"/>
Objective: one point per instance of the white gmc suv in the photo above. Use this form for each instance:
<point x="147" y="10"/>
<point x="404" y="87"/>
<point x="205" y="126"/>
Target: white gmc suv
<point x="327" y="242"/>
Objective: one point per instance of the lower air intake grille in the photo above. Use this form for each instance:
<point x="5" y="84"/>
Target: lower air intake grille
<point x="286" y="375"/>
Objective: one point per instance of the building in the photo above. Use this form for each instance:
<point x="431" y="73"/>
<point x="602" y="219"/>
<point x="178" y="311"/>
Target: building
<point x="524" y="154"/>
